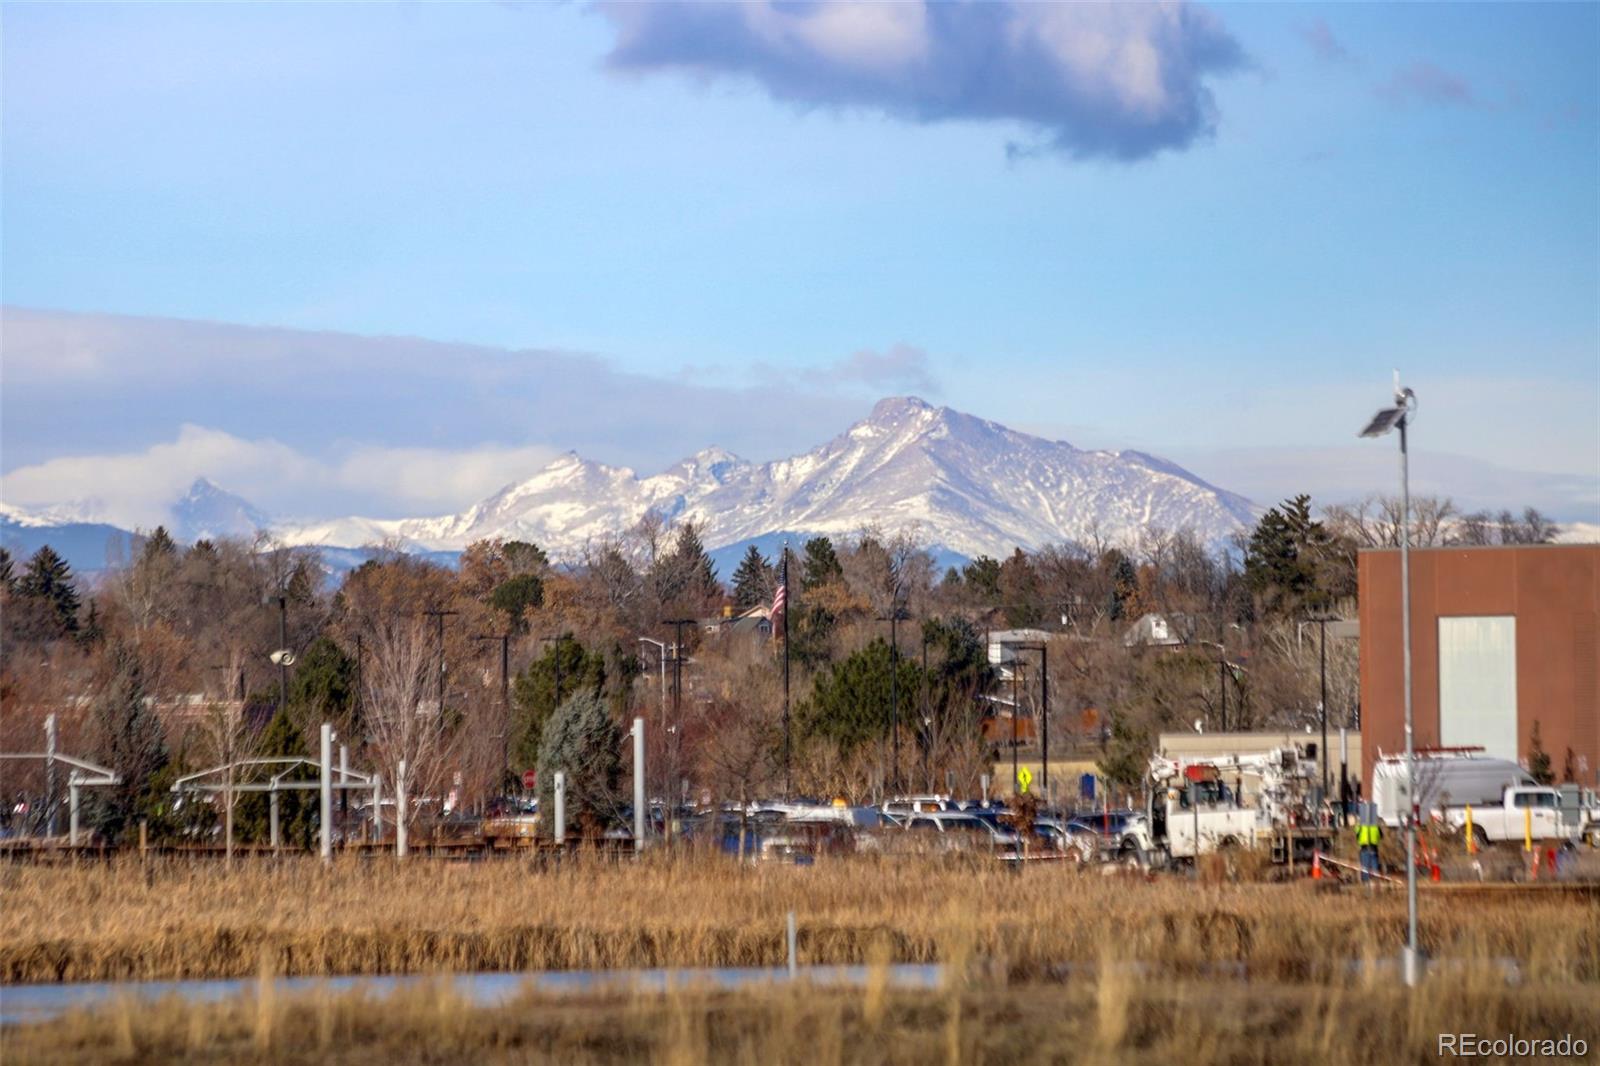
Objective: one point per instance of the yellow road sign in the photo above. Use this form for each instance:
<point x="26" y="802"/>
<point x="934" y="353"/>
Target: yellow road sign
<point x="1024" y="778"/>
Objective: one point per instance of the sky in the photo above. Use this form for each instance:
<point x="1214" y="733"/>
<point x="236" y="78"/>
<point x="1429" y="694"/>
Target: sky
<point x="384" y="259"/>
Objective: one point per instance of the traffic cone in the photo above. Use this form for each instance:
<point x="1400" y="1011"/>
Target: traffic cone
<point x="1316" y="866"/>
<point x="1433" y="871"/>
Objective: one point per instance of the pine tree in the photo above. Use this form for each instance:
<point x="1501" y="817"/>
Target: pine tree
<point x="582" y="741"/>
<point x="982" y="575"/>
<point x="1539" y="759"/>
<point x="850" y="701"/>
<point x="131" y="742"/>
<point x="323" y="685"/>
<point x="297" y="809"/>
<point x="533" y="692"/>
<point x="7" y="581"/>
<point x="48" y="580"/>
<point x="158" y="545"/>
<point x="693" y="566"/>
<point x="516" y="597"/>
<point x="754" y="581"/>
<point x="820" y="564"/>
<point x="1284" y="560"/>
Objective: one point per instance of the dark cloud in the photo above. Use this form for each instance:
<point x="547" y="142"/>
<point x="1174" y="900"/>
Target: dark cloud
<point x="1324" y="44"/>
<point x="1120" y="81"/>
<point x="1424" y="83"/>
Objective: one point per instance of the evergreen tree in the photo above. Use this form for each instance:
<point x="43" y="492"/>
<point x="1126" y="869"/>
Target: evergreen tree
<point x="7" y="581"/>
<point x="131" y="742"/>
<point x="297" y="810"/>
<point x="158" y="545"/>
<point x="1124" y="583"/>
<point x="1538" y="759"/>
<point x="524" y="557"/>
<point x="820" y="564"/>
<point x="850" y="701"/>
<point x="982" y="575"/>
<point x="693" y="566"/>
<point x="533" y="692"/>
<point x="323" y="685"/>
<point x="582" y="741"/>
<point x="516" y="597"/>
<point x="1019" y="590"/>
<point x="754" y="581"/>
<point x="48" y="581"/>
<point x="1285" y="557"/>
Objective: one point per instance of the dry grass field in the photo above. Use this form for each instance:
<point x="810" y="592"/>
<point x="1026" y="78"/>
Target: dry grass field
<point x="175" y="919"/>
<point x="1104" y="1017"/>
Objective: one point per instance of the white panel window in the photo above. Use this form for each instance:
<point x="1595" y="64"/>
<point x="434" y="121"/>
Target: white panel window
<point x="1478" y="683"/>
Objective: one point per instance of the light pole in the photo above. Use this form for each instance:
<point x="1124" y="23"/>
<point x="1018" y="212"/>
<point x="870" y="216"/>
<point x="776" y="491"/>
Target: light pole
<point x="1399" y="417"/>
<point x="505" y="703"/>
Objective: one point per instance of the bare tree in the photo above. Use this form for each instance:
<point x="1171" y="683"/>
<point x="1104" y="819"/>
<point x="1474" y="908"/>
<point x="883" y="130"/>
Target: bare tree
<point x="404" y="720"/>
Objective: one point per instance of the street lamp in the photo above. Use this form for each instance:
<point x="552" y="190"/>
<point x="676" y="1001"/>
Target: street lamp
<point x="1399" y="417"/>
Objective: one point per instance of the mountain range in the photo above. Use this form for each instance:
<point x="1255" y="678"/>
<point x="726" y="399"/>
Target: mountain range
<point x="967" y="487"/>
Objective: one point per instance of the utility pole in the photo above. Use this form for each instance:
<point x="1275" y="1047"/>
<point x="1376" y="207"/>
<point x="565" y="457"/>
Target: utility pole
<point x="505" y="702"/>
<point x="438" y="615"/>
<point x="556" y="660"/>
<point x="894" y="689"/>
<point x="784" y="602"/>
<point x="1044" y="729"/>
<point x="1322" y="665"/>
<point x="283" y="645"/>
<point x="677" y="666"/>
<point x="927" y="719"/>
<point x="1016" y="714"/>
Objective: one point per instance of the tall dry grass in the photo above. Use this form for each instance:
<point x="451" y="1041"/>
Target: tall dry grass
<point x="1192" y="1022"/>
<point x="182" y="920"/>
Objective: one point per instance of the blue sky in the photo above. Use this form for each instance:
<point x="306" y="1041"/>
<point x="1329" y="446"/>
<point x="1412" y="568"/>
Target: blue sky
<point x="1329" y="192"/>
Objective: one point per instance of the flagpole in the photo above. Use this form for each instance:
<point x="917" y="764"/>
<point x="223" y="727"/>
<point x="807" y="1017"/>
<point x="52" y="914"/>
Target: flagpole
<point x="786" y="781"/>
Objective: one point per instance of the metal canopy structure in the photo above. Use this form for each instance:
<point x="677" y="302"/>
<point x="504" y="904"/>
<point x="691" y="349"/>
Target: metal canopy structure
<point x="281" y="778"/>
<point x="84" y="774"/>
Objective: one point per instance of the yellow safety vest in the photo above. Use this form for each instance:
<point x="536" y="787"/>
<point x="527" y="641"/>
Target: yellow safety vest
<point x="1367" y="835"/>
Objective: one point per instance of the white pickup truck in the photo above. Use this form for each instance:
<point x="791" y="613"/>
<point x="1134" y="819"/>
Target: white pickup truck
<point x="1523" y="810"/>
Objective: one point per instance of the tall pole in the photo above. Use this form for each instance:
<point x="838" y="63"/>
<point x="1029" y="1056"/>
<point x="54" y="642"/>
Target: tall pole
<point x="438" y="615"/>
<point x="325" y="787"/>
<point x="1412" y="959"/>
<point x="505" y="704"/>
<point x="787" y="781"/>
<point x="1222" y="683"/>
<point x="638" y="785"/>
<point x="283" y="644"/>
<point x="1322" y="657"/>
<point x="894" y="692"/>
<point x="927" y="719"/>
<point x="50" y="774"/>
<point x="1044" y="729"/>
<point x="1016" y="714"/>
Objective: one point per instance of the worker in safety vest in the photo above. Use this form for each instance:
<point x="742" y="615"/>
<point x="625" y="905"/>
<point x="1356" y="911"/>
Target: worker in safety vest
<point x="1368" y="835"/>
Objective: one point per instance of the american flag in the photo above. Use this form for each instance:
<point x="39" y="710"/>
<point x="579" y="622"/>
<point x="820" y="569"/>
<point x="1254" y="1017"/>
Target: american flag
<point x="780" y="601"/>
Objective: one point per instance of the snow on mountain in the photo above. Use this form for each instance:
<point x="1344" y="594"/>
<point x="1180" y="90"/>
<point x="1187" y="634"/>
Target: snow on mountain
<point x="206" y="511"/>
<point x="967" y="485"/>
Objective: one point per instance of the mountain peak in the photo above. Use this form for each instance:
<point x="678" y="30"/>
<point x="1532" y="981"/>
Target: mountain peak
<point x="207" y="510"/>
<point x="895" y="409"/>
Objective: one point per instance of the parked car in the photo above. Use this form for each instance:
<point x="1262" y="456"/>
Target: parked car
<point x="950" y="831"/>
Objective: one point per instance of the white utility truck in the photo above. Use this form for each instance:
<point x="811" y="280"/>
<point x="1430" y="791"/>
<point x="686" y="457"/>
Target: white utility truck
<point x="1195" y="807"/>
<point x="1506" y="803"/>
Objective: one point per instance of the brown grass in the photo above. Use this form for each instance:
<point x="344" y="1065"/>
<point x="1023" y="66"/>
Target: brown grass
<point x="1090" y="1020"/>
<point x="297" y="917"/>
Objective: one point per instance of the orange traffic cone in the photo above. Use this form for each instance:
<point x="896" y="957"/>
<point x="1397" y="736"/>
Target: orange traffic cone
<point x="1433" y="871"/>
<point x="1316" y="866"/>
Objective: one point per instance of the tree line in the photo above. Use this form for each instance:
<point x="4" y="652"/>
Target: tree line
<point x="163" y="666"/>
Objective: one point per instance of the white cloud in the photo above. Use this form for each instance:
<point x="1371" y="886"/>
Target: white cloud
<point x="135" y="489"/>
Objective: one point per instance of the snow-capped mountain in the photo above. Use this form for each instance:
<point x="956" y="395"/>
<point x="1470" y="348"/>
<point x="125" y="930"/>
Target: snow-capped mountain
<point x="207" y="511"/>
<point x="967" y="485"/>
